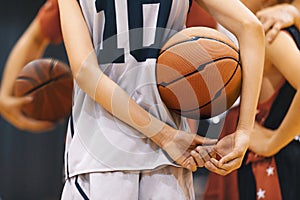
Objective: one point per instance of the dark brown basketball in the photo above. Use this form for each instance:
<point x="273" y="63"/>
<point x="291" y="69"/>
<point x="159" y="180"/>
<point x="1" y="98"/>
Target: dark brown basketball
<point x="50" y="83"/>
<point x="199" y="73"/>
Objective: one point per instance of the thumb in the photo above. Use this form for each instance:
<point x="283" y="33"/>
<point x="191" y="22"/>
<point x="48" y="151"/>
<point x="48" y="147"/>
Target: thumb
<point x="204" y="140"/>
<point x="273" y="32"/>
<point x="229" y="157"/>
<point x="25" y="100"/>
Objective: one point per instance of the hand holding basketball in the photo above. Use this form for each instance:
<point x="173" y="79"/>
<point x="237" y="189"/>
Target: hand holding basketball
<point x="11" y="106"/>
<point x="50" y="84"/>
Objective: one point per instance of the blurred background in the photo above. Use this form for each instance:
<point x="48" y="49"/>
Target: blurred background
<point x="31" y="165"/>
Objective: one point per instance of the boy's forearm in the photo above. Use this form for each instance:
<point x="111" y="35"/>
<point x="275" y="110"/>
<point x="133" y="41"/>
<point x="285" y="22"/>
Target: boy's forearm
<point x="290" y="126"/>
<point x="29" y="47"/>
<point x="252" y="57"/>
<point x="101" y="88"/>
<point x="250" y="34"/>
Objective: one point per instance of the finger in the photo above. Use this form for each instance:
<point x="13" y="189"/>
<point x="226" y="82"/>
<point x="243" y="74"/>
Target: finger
<point x="266" y="22"/>
<point x="200" y="162"/>
<point x="210" y="141"/>
<point x="267" y="25"/>
<point x="213" y="168"/>
<point x="20" y="121"/>
<point x="25" y="100"/>
<point x="204" y="140"/>
<point x="190" y="164"/>
<point x="231" y="156"/>
<point x="271" y="35"/>
<point x="206" y="152"/>
<point x="35" y="126"/>
<point x="212" y="152"/>
<point x="229" y="166"/>
<point x="259" y="14"/>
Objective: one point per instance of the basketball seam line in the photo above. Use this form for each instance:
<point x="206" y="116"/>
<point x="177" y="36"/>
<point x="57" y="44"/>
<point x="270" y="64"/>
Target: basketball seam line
<point x="215" y="97"/>
<point x="45" y="83"/>
<point x="232" y="47"/>
<point x="195" y="38"/>
<point x="200" y="68"/>
<point x="53" y="63"/>
<point x="25" y="78"/>
<point x="39" y="72"/>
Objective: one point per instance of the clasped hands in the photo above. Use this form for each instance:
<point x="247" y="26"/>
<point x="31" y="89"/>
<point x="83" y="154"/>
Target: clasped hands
<point x="224" y="156"/>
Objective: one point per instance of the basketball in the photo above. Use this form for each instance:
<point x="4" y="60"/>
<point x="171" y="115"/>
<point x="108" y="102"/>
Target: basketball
<point x="50" y="83"/>
<point x="198" y="73"/>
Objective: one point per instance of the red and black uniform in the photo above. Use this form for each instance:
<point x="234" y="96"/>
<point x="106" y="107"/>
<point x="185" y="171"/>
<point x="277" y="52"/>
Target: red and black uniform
<point x="275" y="177"/>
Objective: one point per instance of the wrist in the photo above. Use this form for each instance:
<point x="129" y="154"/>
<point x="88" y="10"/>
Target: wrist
<point x="164" y="136"/>
<point x="4" y="96"/>
<point x="245" y="131"/>
<point x="274" y="143"/>
<point x="270" y="147"/>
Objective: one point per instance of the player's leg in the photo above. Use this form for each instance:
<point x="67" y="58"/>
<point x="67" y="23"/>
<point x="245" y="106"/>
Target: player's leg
<point x="167" y="183"/>
<point x="98" y="186"/>
<point x="74" y="190"/>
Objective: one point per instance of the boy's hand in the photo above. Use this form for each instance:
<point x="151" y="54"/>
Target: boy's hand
<point x="276" y="18"/>
<point x="181" y="145"/>
<point x="203" y="154"/>
<point x="10" y="108"/>
<point x="231" y="149"/>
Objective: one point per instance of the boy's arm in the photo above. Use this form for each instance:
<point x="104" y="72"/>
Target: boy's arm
<point x="29" y="47"/>
<point x="235" y="17"/>
<point x="287" y="62"/>
<point x="43" y="30"/>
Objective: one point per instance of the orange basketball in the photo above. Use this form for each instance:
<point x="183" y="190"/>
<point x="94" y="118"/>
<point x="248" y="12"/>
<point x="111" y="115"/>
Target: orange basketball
<point x="50" y="83"/>
<point x="199" y="73"/>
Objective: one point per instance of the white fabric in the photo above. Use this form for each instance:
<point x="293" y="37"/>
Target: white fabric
<point x="101" y="142"/>
<point x="167" y="183"/>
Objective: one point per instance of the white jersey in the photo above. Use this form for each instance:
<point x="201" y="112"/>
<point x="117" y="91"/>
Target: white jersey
<point x="126" y="35"/>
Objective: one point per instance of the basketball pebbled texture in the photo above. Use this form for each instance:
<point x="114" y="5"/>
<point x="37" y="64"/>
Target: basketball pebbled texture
<point x="50" y="83"/>
<point x="199" y="73"/>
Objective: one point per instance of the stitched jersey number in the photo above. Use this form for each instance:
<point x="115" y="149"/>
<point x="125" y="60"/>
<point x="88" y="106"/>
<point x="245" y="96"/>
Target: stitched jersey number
<point x="110" y="53"/>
